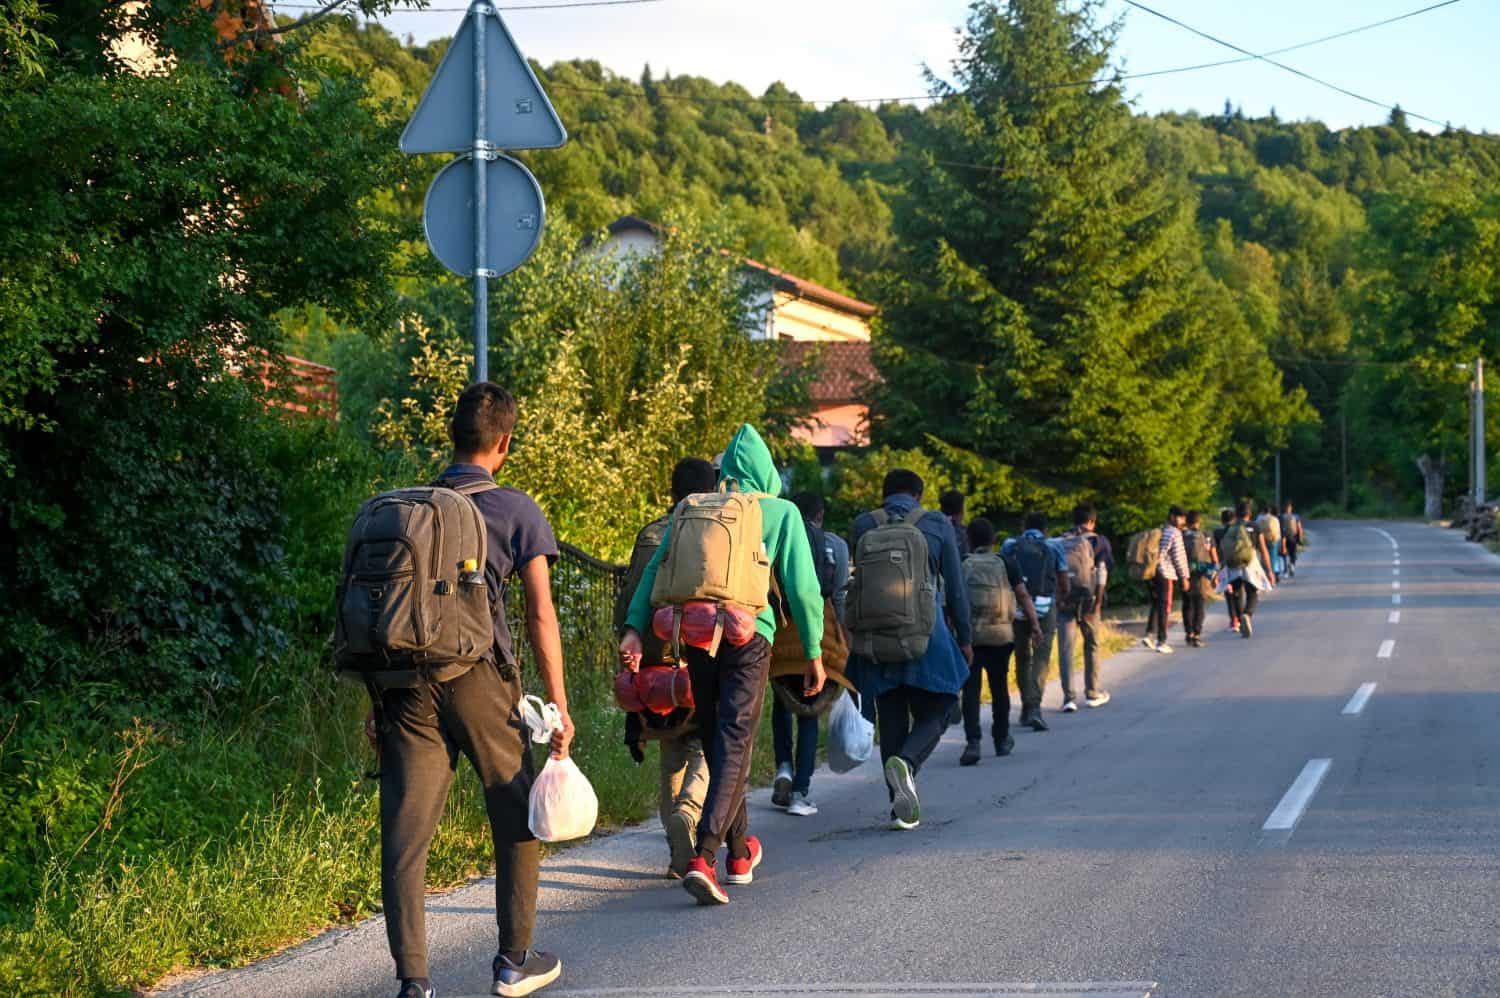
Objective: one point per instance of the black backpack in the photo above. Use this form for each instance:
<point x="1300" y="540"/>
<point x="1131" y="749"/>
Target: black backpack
<point x="1038" y="566"/>
<point x="822" y="553"/>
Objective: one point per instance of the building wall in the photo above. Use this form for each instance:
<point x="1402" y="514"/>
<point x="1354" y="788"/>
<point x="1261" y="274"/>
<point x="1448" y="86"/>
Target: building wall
<point x="837" y="426"/>
<point x="801" y="319"/>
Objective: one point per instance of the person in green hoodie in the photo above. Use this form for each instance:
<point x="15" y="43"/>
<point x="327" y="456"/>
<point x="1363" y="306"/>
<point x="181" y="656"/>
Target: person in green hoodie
<point x="729" y="687"/>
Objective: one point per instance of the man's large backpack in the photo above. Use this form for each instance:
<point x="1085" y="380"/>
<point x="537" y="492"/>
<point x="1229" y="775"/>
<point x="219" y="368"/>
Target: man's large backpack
<point x="1196" y="544"/>
<point x="413" y="603"/>
<point x="1082" y="558"/>
<point x="1270" y="525"/>
<point x="892" y="604"/>
<point x="992" y="601"/>
<point x="1038" y="568"/>
<point x="1291" y="527"/>
<point x="655" y="650"/>
<point x="1144" y="554"/>
<point x="716" y="553"/>
<point x="1239" y="545"/>
<point x="823" y="559"/>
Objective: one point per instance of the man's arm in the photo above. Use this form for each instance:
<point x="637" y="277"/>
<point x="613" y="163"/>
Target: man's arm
<point x="1060" y="563"/>
<point x="1023" y="599"/>
<point x="638" y="618"/>
<point x="546" y="645"/>
<point x="793" y="558"/>
<point x="952" y="569"/>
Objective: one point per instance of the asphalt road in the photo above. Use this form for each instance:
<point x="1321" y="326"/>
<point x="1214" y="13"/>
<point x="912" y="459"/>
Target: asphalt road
<point x="1121" y="853"/>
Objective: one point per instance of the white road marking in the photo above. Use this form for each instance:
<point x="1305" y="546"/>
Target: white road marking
<point x="1395" y="585"/>
<point x="1387" y="647"/>
<point x="1395" y="571"/>
<point x="1297" y="797"/>
<point x="1394" y="618"/>
<point x="1396" y="599"/>
<point x="1386" y="535"/>
<point x="1359" y="699"/>
<point x="1396" y="562"/>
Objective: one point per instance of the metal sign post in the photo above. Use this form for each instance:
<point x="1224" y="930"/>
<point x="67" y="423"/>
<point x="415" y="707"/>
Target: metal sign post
<point x="483" y="98"/>
<point x="1479" y="482"/>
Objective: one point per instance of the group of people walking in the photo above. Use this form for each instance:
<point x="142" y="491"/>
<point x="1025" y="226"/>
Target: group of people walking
<point x="732" y="592"/>
<point x="1244" y="557"/>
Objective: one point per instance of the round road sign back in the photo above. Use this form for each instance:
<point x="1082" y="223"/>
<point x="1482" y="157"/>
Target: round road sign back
<point x="515" y="214"/>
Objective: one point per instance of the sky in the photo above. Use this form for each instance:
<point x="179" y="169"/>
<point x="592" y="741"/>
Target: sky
<point x="1440" y="64"/>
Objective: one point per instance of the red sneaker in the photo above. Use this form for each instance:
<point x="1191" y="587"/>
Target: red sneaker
<point x="742" y="871"/>
<point x="702" y="883"/>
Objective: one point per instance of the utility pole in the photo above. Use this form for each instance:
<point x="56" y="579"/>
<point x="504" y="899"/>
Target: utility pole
<point x="1479" y="482"/>
<point x="1343" y="459"/>
<point x="1278" y="479"/>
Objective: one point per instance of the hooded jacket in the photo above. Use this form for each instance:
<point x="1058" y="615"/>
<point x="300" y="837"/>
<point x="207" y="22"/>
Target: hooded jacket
<point x="748" y="467"/>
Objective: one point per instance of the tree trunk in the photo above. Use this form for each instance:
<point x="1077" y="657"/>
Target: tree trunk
<point x="1434" y="472"/>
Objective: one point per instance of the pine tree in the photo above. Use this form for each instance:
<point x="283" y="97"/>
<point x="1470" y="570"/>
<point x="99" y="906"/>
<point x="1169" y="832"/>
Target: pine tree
<point x="1054" y="315"/>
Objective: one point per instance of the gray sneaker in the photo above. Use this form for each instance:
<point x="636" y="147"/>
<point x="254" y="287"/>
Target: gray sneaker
<point x="533" y="973"/>
<point x="904" y="803"/>
<point x="781" y="789"/>
<point x="801" y="806"/>
<point x="682" y="841"/>
<point x="1098" y="699"/>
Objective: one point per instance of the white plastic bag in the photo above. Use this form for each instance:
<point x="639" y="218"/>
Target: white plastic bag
<point x="851" y="738"/>
<point x="563" y="803"/>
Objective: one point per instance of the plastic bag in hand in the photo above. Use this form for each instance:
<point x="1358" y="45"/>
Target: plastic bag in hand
<point x="851" y="738"/>
<point x="563" y="803"/>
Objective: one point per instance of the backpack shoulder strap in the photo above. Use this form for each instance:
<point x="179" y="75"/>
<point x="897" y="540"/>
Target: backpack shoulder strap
<point x="915" y="516"/>
<point x="474" y="488"/>
<point x="880" y="516"/>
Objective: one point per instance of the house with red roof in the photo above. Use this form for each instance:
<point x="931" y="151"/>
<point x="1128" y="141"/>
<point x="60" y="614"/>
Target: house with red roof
<point x="806" y="318"/>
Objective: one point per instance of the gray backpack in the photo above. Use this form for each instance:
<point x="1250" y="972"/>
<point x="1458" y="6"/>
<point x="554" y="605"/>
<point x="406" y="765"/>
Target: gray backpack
<point x="991" y="598"/>
<point x="1078" y="549"/>
<point x="413" y="603"/>
<point x="893" y="599"/>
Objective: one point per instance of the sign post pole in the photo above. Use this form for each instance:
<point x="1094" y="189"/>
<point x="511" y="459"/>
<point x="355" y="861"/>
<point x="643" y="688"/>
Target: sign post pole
<point x="479" y="12"/>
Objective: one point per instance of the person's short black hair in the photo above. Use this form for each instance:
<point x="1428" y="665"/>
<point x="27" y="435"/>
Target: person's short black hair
<point x="692" y="476"/>
<point x="1287" y="506"/>
<point x="951" y="503"/>
<point x="810" y="503"/>
<point x="902" y="481"/>
<point x="1194" y="517"/>
<point x="1083" y="513"/>
<point x="484" y="413"/>
<point x="1243" y="508"/>
<point x="1036" y="520"/>
<point x="1174" y="512"/>
<point x="1226" y="515"/>
<point x="981" y="533"/>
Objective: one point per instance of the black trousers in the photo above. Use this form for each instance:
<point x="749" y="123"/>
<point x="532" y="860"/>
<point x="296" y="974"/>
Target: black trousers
<point x="729" y="691"/>
<point x="1291" y="551"/>
<point x="992" y="661"/>
<point x="1242" y="598"/>
<point x="423" y="731"/>
<point x="1193" y="609"/>
<point x="1161" y="608"/>
<point x="912" y="722"/>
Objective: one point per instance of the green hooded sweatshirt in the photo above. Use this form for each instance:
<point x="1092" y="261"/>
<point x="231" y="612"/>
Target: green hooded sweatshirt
<point x="748" y="467"/>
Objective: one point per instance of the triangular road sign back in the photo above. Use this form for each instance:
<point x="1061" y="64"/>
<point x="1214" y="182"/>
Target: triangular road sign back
<point x="518" y="114"/>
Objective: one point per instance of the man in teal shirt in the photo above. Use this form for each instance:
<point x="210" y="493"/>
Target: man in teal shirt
<point x="729" y="687"/>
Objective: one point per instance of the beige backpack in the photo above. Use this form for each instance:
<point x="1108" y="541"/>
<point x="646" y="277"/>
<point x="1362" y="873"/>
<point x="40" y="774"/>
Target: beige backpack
<point x="893" y="599"/>
<point x="715" y="553"/>
<point x="991" y="598"/>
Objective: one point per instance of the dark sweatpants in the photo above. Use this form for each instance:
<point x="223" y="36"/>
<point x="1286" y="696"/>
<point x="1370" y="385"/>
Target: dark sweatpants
<point x="1194" y="608"/>
<point x="1032" y="661"/>
<point x="993" y="661"/>
<point x="1242" y="598"/>
<point x="1161" y="609"/>
<point x="912" y="722"/>
<point x="729" y="690"/>
<point x="423" y="730"/>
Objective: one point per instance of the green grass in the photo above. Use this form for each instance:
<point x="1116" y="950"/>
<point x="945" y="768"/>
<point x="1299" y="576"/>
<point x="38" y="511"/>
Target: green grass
<point x="235" y="837"/>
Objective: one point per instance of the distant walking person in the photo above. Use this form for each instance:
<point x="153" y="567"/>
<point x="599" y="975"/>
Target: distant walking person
<point x="1089" y="560"/>
<point x="1226" y="517"/>
<point x="997" y="598"/>
<point x="430" y="711"/>
<point x="1245" y="555"/>
<point x="795" y="740"/>
<point x="710" y="584"/>
<point x="1172" y="573"/>
<point x="1291" y="536"/>
<point x="903" y="656"/>
<point x="1044" y="567"/>
<point x="952" y="505"/>
<point x="1202" y="565"/>
<point x="682" y="769"/>
<point x="1268" y="524"/>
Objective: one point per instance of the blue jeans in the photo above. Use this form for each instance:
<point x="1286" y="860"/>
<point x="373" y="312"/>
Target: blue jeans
<point x="806" y="755"/>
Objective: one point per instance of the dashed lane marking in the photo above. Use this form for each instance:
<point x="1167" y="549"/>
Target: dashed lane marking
<point x="1283" y="820"/>
<point x="1394" y="618"/>
<point x="1359" y="699"/>
<point x="1387" y="647"/>
<point x="1396" y="599"/>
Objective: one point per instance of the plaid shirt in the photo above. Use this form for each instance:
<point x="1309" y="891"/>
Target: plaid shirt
<point x="1174" y="561"/>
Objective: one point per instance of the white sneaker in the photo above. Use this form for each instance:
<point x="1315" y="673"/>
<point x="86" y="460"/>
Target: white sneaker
<point x="781" y="789"/>
<point x="1164" y="649"/>
<point x="1069" y="706"/>
<point x="1098" y="699"/>
<point x="801" y="806"/>
<point x="1149" y="642"/>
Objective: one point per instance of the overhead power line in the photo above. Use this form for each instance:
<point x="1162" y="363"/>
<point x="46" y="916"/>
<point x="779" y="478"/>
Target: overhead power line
<point x="464" y="10"/>
<point x="1279" y="65"/>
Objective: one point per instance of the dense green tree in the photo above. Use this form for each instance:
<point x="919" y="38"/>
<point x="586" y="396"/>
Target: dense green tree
<point x="1055" y="315"/>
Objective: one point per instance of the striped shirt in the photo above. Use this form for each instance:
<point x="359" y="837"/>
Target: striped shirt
<point x="1174" y="561"/>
